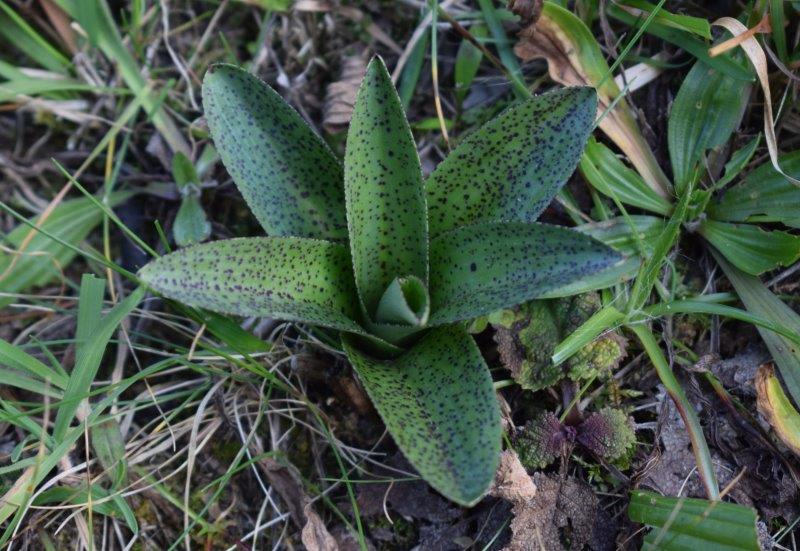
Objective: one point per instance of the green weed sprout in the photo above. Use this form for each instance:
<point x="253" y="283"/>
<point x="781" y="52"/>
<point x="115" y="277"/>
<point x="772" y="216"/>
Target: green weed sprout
<point x="391" y="261"/>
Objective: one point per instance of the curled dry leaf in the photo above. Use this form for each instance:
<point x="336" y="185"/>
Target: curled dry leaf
<point x="776" y="407"/>
<point x="512" y="481"/>
<point x="745" y="38"/>
<point x="314" y="535"/>
<point x="564" y="514"/>
<point x="341" y="95"/>
<point x="574" y="59"/>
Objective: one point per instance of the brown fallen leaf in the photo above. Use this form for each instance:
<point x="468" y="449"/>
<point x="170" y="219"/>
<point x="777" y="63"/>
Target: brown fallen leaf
<point x="341" y="95"/>
<point x="512" y="482"/>
<point x="564" y="514"/>
<point x="315" y="535"/>
<point x="285" y="479"/>
<point x="574" y="59"/>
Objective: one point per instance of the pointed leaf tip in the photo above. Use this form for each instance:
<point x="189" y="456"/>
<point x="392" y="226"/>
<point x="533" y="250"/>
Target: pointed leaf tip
<point x="288" y="278"/>
<point x="511" y="168"/>
<point x="482" y="268"/>
<point x="286" y="173"/>
<point x="386" y="211"/>
<point x="438" y="402"/>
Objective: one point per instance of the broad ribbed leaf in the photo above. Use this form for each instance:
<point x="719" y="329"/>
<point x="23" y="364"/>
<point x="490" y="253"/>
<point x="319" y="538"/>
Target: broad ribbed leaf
<point x="611" y="177"/>
<point x="288" y="176"/>
<point x="750" y="248"/>
<point x="482" y="268"/>
<point x="438" y="403"/>
<point x="512" y="167"/>
<point x="707" y="109"/>
<point x="680" y="523"/>
<point x="288" y="278"/>
<point x="383" y="189"/>
<point x="764" y="195"/>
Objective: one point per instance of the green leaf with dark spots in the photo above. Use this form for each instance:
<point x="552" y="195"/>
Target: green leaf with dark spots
<point x="750" y="248"/>
<point x="289" y="177"/>
<point x="512" y="167"/>
<point x="383" y="189"/>
<point x="482" y="268"/>
<point x="288" y="278"/>
<point x="438" y="402"/>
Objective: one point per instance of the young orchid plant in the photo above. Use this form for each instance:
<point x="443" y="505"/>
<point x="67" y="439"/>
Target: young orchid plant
<point x="395" y="263"/>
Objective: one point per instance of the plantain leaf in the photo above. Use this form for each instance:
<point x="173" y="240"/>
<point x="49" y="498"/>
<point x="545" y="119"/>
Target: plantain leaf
<point x="438" y="403"/>
<point x="482" y="268"/>
<point x="750" y="248"/>
<point x="685" y="523"/>
<point x="291" y="278"/>
<point x="289" y="177"/>
<point x="611" y="177"/>
<point x="708" y="108"/>
<point x="764" y="195"/>
<point x="383" y="191"/>
<point x="512" y="167"/>
<point x="777" y="408"/>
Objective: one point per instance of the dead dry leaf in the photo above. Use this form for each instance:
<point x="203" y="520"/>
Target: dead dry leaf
<point x="315" y="535"/>
<point x="512" y="481"/>
<point x="775" y="407"/>
<point x="564" y="514"/>
<point x="757" y="57"/>
<point x="341" y="94"/>
<point x="574" y="59"/>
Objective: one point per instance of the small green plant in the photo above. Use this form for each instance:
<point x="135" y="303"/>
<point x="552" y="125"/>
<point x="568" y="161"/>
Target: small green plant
<point x="527" y="337"/>
<point x="392" y="262"/>
<point x="608" y="434"/>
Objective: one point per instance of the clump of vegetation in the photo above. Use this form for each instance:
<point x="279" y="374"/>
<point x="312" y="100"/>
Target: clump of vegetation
<point x="608" y="434"/>
<point x="528" y="335"/>
<point x="390" y="261"/>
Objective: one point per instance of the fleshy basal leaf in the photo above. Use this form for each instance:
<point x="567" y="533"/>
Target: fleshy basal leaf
<point x="289" y="278"/>
<point x="482" y="268"/>
<point x="383" y="188"/>
<point x="512" y="167"/>
<point x="289" y="177"/>
<point x="438" y="403"/>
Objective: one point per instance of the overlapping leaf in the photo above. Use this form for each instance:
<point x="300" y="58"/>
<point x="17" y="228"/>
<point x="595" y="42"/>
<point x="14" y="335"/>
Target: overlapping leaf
<point x="764" y="195"/>
<point x="611" y="177"/>
<point x="512" y="167"/>
<point x="707" y="109"/>
<point x="438" y="402"/>
<point x="289" y="278"/>
<point x="289" y="177"/>
<point x="481" y="268"/>
<point x="383" y="187"/>
<point x="684" y="523"/>
<point x="751" y="248"/>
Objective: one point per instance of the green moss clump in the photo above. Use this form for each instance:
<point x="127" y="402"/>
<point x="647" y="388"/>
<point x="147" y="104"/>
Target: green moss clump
<point x="527" y="336"/>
